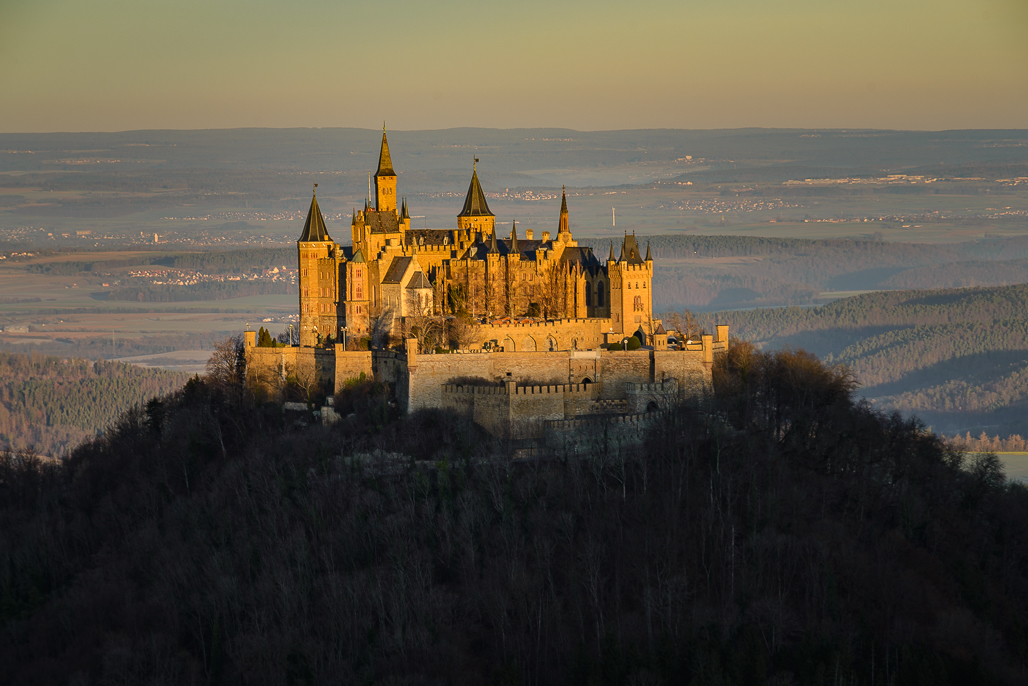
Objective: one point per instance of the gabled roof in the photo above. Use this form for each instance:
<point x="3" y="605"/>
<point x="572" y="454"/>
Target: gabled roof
<point x="385" y="162"/>
<point x="397" y="269"/>
<point x="358" y="257"/>
<point x="475" y="204"/>
<point x="660" y="329"/>
<point x="381" y="222"/>
<point x="314" y="228"/>
<point x="583" y="257"/>
<point x="419" y="280"/>
<point x="427" y="237"/>
<point x="630" y="251"/>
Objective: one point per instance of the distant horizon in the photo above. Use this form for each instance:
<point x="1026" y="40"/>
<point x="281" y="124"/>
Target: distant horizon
<point x="599" y="65"/>
<point x="841" y="129"/>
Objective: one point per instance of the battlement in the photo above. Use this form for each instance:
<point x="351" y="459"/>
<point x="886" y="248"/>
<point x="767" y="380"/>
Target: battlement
<point x="511" y="388"/>
<point x="589" y="422"/>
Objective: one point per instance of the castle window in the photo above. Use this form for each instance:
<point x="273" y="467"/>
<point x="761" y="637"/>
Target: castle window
<point x="588" y="295"/>
<point x="599" y="294"/>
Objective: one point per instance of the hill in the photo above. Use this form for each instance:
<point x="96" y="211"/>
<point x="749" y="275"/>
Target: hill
<point x="786" y="534"/>
<point x="958" y="358"/>
<point x="50" y="405"/>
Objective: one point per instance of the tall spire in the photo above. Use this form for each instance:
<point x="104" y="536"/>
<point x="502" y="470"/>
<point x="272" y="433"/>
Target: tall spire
<point x="563" y="227"/>
<point x="514" y="238"/>
<point x="611" y="258"/>
<point x="648" y="258"/>
<point x="385" y="162"/>
<point x="493" y="246"/>
<point x="475" y="204"/>
<point x="314" y="228"/>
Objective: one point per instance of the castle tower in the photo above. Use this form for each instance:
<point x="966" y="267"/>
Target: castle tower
<point x="385" y="179"/>
<point x="631" y="288"/>
<point x="357" y="305"/>
<point x="317" y="256"/>
<point x="475" y="216"/>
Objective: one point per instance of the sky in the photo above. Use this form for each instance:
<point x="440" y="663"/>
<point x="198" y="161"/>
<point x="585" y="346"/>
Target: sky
<point x="112" y="65"/>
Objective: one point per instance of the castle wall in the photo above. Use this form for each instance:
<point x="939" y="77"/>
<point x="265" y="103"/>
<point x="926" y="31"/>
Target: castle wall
<point x="350" y="364"/>
<point x="569" y="334"/>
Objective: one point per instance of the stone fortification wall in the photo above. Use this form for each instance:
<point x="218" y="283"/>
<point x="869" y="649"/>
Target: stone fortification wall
<point x="330" y="367"/>
<point x="560" y="334"/>
<point x="597" y="436"/>
<point x="512" y="411"/>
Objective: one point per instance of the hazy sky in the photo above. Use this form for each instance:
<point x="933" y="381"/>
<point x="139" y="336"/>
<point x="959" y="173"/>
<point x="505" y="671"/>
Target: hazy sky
<point x="107" y="65"/>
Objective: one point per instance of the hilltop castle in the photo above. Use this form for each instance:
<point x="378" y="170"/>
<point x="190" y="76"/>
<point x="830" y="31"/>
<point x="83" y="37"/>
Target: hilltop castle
<point x="392" y="271"/>
<point x="542" y="312"/>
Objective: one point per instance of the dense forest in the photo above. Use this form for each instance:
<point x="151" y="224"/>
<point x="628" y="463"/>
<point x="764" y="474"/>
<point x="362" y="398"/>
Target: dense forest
<point x="958" y="357"/>
<point x="49" y="404"/>
<point x="107" y="348"/>
<point x="786" y="534"/>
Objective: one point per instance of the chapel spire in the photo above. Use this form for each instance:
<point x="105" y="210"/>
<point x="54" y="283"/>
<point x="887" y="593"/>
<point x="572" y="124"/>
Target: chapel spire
<point x="385" y="179"/>
<point x="563" y="229"/>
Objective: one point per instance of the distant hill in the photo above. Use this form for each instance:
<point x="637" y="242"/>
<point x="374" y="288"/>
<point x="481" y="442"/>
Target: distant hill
<point x="50" y="405"/>
<point x="958" y="358"/>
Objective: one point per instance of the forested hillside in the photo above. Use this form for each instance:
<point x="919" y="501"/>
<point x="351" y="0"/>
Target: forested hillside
<point x="784" y="534"/>
<point x="708" y="272"/>
<point x="50" y="405"/>
<point x="958" y="357"/>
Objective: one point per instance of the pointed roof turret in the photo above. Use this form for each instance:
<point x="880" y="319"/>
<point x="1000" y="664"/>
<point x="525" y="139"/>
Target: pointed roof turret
<point x="475" y="204"/>
<point x="648" y="258"/>
<point x="514" y="238"/>
<point x="314" y="228"/>
<point x="630" y="251"/>
<point x="611" y="258"/>
<point x="403" y="211"/>
<point x="385" y="162"/>
<point x="563" y="227"/>
<point x="494" y="247"/>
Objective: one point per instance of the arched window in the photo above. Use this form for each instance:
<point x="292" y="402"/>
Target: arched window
<point x="588" y="295"/>
<point x="599" y="294"/>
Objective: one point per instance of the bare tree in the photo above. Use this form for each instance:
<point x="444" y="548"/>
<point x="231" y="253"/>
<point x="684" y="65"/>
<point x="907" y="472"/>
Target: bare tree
<point x="420" y="323"/>
<point x="227" y="364"/>
<point x="683" y="322"/>
<point x="553" y="296"/>
<point x="464" y="331"/>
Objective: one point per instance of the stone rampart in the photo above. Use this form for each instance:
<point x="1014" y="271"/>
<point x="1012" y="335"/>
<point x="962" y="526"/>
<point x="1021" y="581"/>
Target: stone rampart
<point x="547" y="336"/>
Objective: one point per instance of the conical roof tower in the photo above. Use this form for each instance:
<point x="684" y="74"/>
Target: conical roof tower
<point x="475" y="204"/>
<point x="314" y="228"/>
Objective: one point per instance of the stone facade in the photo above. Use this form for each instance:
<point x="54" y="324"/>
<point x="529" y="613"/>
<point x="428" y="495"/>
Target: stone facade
<point x="520" y="375"/>
<point x="392" y="268"/>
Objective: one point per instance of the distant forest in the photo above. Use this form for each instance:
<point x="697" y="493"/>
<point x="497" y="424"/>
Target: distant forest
<point x="958" y="357"/>
<point x="787" y="271"/>
<point x="50" y="405"/>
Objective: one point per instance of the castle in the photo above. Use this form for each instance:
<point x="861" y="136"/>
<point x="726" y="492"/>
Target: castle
<point x="536" y="318"/>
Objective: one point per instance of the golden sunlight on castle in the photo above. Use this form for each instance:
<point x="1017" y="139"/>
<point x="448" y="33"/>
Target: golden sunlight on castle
<point x="520" y="333"/>
<point x="394" y="274"/>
